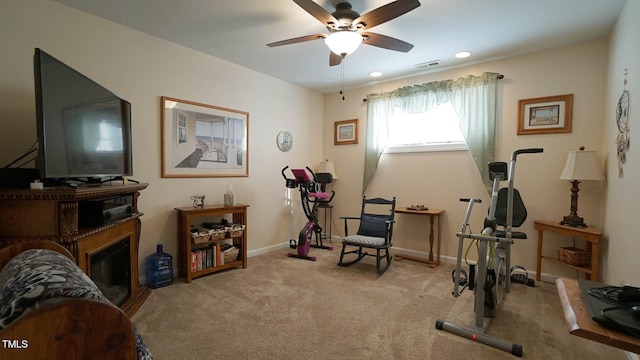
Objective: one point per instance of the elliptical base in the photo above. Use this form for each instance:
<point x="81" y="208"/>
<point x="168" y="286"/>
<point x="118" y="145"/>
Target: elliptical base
<point x="512" y="348"/>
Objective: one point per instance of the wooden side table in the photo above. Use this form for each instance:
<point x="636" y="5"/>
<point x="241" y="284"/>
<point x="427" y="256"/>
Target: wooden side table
<point x="433" y="215"/>
<point x="589" y="233"/>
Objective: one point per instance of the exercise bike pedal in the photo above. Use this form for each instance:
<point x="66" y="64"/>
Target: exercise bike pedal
<point x="293" y="244"/>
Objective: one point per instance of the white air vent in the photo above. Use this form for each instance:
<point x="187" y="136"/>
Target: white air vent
<point x="428" y="64"/>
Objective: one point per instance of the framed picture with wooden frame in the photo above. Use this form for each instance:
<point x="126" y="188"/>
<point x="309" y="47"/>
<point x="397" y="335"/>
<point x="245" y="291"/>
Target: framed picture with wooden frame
<point x="201" y="140"/>
<point x="345" y="132"/>
<point x="545" y="115"/>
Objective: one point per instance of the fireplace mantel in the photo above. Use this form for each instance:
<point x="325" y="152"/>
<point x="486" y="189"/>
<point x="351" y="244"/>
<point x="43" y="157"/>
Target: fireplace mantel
<point x="52" y="214"/>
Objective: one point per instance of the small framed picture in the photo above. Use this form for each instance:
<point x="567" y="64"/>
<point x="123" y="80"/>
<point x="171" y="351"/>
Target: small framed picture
<point x="345" y="132"/>
<point x="545" y="115"/>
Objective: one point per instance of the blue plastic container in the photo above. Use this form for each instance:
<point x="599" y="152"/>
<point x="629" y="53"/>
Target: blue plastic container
<point x="159" y="268"/>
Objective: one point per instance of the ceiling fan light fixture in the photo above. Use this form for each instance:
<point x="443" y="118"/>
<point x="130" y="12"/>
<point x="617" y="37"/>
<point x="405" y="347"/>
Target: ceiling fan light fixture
<point x="343" y="42"/>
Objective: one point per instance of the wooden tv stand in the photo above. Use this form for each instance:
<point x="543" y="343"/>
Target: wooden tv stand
<point x="52" y="214"/>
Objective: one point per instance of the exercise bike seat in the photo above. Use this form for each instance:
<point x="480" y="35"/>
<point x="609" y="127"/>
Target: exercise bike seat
<point x="319" y="195"/>
<point x="519" y="213"/>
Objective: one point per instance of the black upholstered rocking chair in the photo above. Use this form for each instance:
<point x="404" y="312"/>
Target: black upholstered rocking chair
<point x="374" y="232"/>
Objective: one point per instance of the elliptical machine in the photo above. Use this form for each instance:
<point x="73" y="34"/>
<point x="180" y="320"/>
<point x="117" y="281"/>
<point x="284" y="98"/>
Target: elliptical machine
<point x="310" y="193"/>
<point x="494" y="258"/>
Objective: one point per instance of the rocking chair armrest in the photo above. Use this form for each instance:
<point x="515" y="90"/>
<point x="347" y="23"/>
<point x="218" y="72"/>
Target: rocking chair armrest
<point x="349" y="218"/>
<point x="346" y="223"/>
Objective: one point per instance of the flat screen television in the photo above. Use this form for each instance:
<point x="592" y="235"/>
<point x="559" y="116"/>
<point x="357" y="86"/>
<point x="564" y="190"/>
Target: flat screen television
<point x="83" y="129"/>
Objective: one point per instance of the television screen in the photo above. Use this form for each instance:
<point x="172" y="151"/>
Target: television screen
<point x="84" y="130"/>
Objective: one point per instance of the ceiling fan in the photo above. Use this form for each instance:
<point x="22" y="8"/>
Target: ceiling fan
<point x="348" y="29"/>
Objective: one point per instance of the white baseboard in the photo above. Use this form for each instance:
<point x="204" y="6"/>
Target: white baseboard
<point x="267" y="249"/>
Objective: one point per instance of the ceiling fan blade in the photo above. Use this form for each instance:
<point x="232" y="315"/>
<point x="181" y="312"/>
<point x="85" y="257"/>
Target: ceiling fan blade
<point x="297" y="40"/>
<point x="317" y="11"/>
<point x="386" y="12"/>
<point x="386" y="42"/>
<point x="334" y="59"/>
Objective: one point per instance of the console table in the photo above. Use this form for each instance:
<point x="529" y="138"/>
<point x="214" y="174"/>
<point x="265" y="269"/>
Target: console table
<point x="434" y="216"/>
<point x="579" y="322"/>
<point x="53" y="214"/>
<point x="589" y="233"/>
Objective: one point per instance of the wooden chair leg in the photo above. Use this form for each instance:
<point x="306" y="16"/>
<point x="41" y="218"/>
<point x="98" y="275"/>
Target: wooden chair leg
<point x="342" y="253"/>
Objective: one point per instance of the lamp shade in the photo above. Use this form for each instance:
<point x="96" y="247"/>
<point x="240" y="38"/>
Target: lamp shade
<point x="343" y="42"/>
<point x="327" y="167"/>
<point x="582" y="165"/>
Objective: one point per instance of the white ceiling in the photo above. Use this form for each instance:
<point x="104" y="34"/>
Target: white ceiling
<point x="238" y="31"/>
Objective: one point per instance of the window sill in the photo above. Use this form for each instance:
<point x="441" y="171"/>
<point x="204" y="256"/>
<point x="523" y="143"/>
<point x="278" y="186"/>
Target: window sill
<point x="459" y="146"/>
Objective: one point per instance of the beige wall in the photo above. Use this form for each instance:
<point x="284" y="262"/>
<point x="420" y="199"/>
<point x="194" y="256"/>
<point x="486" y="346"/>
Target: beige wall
<point x="439" y="179"/>
<point x="141" y="69"/>
<point x="621" y="266"/>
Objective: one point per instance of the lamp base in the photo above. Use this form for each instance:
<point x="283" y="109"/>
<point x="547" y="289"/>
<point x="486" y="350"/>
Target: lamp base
<point x="573" y="220"/>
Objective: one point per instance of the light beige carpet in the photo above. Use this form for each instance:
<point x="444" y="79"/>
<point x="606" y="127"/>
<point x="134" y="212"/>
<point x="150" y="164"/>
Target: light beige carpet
<point x="287" y="308"/>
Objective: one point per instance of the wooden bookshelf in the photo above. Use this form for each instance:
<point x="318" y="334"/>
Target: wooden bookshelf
<point x="188" y="216"/>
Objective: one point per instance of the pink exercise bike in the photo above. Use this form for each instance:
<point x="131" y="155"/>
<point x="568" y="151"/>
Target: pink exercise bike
<point x="308" y="183"/>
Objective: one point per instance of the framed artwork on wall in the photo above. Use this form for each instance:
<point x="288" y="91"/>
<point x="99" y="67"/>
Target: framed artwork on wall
<point x="345" y="132"/>
<point x="545" y="115"/>
<point x="200" y="140"/>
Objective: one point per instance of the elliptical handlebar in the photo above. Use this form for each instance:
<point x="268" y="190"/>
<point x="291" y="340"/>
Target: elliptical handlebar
<point x="512" y="166"/>
<point x="527" y="151"/>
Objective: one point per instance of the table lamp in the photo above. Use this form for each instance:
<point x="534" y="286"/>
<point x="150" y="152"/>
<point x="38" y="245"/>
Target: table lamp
<point x="581" y="165"/>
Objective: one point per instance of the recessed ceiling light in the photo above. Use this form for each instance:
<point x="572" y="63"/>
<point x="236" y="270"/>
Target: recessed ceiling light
<point x="462" y="54"/>
<point x="375" y="74"/>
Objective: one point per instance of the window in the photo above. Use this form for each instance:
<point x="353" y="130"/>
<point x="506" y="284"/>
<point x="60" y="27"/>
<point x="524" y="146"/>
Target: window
<point x="182" y="128"/>
<point x="110" y="137"/>
<point x="434" y="130"/>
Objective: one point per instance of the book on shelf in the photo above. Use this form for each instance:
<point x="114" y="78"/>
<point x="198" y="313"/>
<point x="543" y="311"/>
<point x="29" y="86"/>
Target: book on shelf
<point x="204" y="258"/>
<point x="219" y="260"/>
<point x="211" y="261"/>
<point x="198" y="260"/>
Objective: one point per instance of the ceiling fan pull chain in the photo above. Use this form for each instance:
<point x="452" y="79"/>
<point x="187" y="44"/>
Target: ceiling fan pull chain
<point x="342" y="77"/>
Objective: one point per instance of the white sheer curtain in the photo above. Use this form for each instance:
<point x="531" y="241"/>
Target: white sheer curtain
<point x="474" y="99"/>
